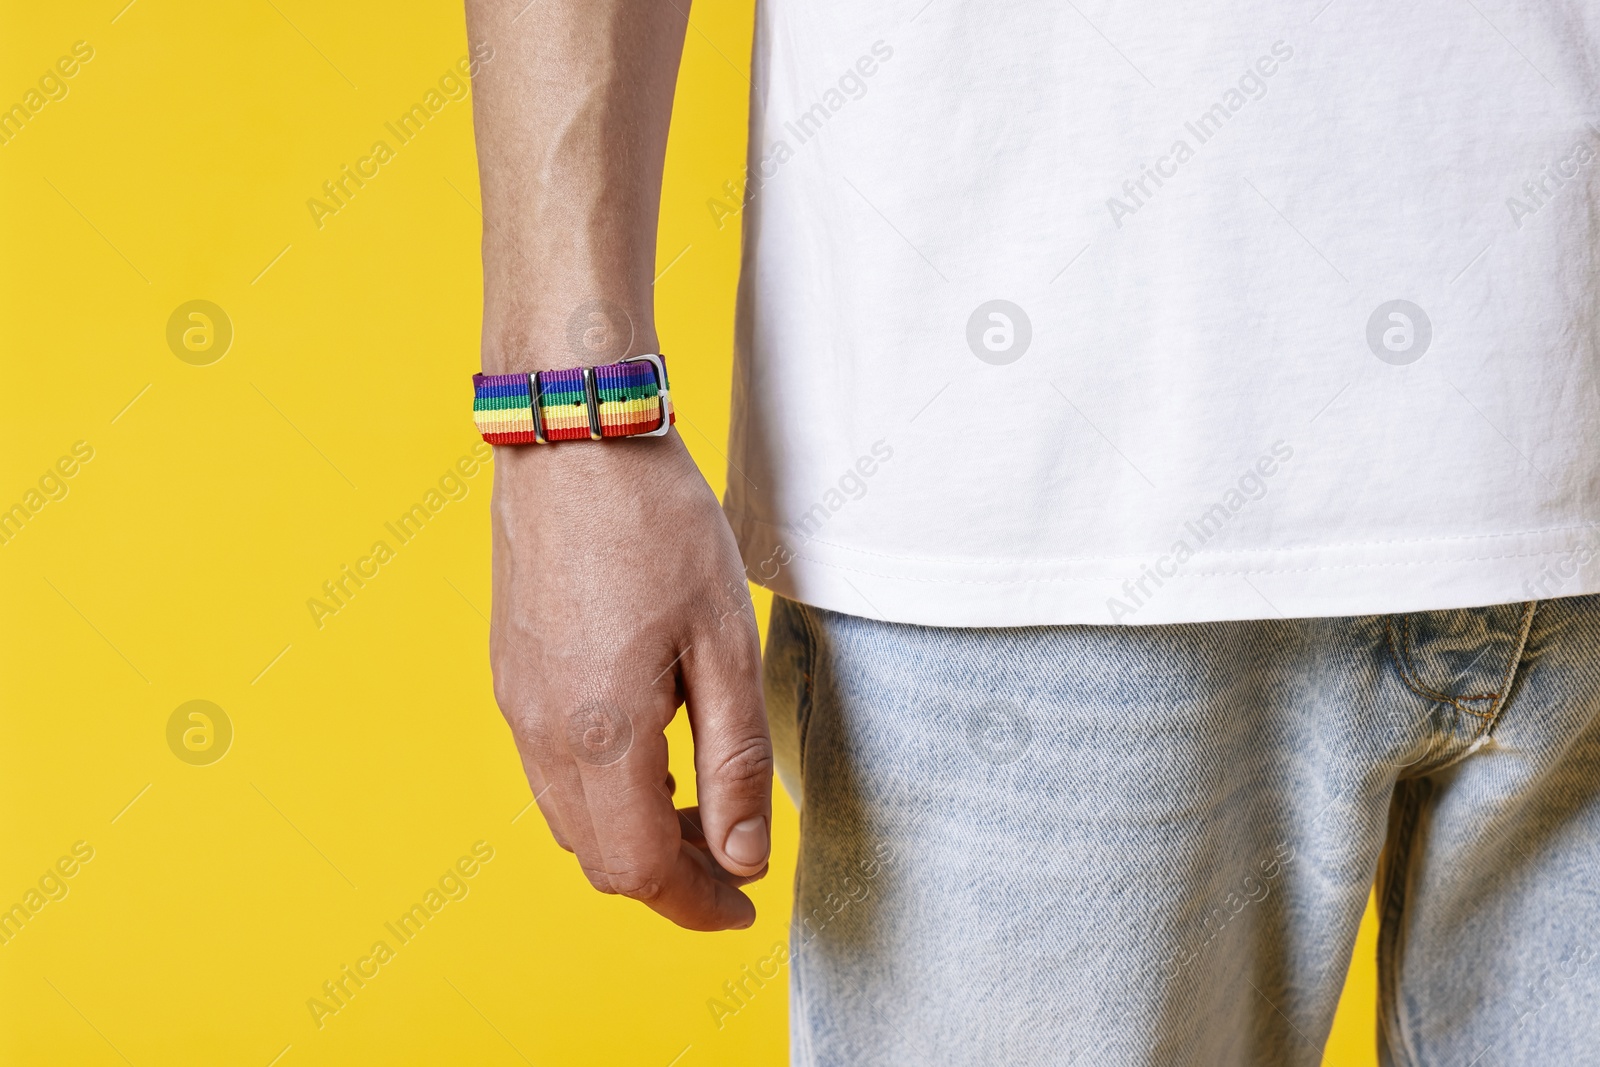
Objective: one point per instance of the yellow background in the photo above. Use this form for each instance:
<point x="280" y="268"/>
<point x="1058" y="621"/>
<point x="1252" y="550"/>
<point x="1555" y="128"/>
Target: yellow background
<point x="367" y="754"/>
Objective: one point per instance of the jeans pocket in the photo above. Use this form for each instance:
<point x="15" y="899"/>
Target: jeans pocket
<point x="1464" y="657"/>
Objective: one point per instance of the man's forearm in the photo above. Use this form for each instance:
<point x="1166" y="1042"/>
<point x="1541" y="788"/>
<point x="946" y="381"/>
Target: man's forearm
<point x="571" y="122"/>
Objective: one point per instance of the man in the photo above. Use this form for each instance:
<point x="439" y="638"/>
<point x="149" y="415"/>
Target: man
<point x="1169" y="429"/>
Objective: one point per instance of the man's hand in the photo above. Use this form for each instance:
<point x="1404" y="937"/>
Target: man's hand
<point x="618" y="595"/>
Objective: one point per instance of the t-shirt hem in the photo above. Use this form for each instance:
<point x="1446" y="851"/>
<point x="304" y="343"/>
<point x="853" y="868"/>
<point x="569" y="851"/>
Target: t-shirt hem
<point x="1403" y="575"/>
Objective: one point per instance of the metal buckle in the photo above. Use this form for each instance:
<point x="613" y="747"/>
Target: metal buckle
<point x="662" y="393"/>
<point x="591" y="396"/>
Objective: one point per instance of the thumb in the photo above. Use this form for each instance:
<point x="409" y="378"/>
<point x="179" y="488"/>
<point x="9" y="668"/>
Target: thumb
<point x="732" y="749"/>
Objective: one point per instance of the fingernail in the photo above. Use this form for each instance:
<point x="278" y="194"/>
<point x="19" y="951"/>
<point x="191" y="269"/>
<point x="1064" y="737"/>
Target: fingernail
<point x="747" y="842"/>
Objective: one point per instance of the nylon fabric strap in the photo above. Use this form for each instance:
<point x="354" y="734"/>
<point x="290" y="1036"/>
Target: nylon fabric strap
<point x="626" y="394"/>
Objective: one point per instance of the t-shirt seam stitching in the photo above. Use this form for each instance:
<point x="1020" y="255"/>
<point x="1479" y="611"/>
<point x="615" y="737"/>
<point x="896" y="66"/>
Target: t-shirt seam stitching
<point x="1210" y="574"/>
<point x="745" y="521"/>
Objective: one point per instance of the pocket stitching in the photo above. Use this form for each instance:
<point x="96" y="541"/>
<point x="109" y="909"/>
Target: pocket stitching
<point x="1413" y="681"/>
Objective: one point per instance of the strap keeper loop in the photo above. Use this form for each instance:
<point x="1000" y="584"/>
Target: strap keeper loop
<point x="536" y="393"/>
<point x="591" y="395"/>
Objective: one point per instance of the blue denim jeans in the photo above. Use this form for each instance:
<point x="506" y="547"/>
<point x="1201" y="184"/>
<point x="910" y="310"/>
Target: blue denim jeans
<point x="1153" y="845"/>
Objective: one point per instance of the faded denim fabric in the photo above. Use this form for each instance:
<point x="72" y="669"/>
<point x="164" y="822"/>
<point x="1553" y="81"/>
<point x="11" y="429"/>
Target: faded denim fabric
<point x="1104" y="845"/>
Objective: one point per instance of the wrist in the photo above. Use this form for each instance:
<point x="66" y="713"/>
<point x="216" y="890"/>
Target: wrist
<point x="556" y="333"/>
<point x="564" y="478"/>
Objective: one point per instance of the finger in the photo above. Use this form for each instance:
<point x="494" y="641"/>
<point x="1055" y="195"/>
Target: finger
<point x="558" y="789"/>
<point x="544" y="799"/>
<point x="689" y="825"/>
<point x="637" y="834"/>
<point x="732" y="749"/>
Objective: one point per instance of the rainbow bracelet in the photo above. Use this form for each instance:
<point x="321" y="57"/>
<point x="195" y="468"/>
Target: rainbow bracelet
<point x="624" y="399"/>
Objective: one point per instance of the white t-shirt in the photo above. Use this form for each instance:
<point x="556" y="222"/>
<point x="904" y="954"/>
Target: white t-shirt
<point x="1170" y="312"/>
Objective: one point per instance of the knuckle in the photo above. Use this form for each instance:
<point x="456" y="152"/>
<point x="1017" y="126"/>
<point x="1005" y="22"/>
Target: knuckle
<point x="643" y="884"/>
<point x="517" y="711"/>
<point x="523" y="711"/>
<point x="747" y="766"/>
<point x="534" y="735"/>
<point x="568" y="721"/>
<point x="504" y="695"/>
<point x="514" y="701"/>
<point x="597" y="732"/>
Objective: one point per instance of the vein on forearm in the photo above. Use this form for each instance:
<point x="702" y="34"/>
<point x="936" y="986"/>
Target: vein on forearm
<point x="571" y="124"/>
